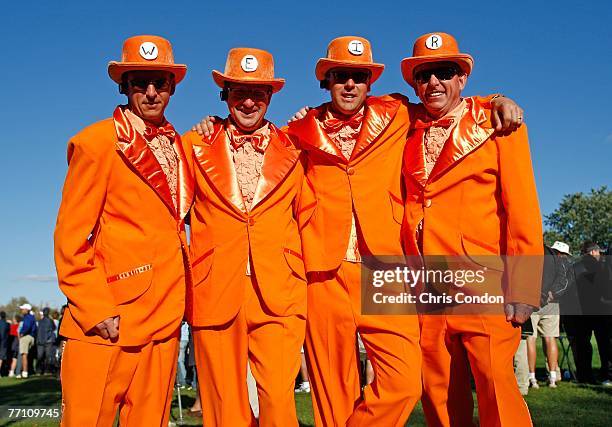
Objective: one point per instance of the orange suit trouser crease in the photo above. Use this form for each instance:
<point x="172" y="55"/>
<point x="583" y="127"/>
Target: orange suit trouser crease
<point x="392" y="345"/>
<point x="99" y="380"/>
<point x="270" y="345"/>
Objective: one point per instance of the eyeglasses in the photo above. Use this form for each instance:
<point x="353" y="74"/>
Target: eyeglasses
<point x="256" y="95"/>
<point x="343" y="76"/>
<point x="142" y="84"/>
<point x="441" y="73"/>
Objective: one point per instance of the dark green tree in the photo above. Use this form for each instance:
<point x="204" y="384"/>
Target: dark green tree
<point x="581" y="217"/>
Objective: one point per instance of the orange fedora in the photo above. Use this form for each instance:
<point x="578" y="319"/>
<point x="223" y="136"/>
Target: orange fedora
<point x="349" y="52"/>
<point x="249" y="65"/>
<point x="435" y="47"/>
<point x="146" y="53"/>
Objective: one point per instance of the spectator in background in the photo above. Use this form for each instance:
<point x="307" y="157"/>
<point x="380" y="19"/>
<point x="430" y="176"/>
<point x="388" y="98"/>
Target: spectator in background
<point x="555" y="282"/>
<point x="5" y="330"/>
<point x="182" y="367"/>
<point x="14" y="346"/>
<point x="593" y="284"/>
<point x="45" y="343"/>
<point x="27" y="332"/>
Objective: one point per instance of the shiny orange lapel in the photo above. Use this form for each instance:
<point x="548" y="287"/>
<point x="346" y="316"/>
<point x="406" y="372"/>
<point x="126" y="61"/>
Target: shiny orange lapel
<point x="378" y="114"/>
<point x="469" y="134"/>
<point x="135" y="150"/>
<point x="279" y="159"/>
<point x="311" y="135"/>
<point x="185" y="180"/>
<point x="214" y="159"/>
<point x="414" y="157"/>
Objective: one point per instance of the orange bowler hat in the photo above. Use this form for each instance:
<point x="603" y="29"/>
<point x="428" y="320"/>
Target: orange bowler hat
<point x="249" y="65"/>
<point x="435" y="47"/>
<point x="146" y="53"/>
<point x="349" y="52"/>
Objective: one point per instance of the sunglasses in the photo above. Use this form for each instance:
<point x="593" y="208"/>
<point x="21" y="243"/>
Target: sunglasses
<point x="257" y="95"/>
<point x="342" y="77"/>
<point x="142" y="84"/>
<point x="441" y="73"/>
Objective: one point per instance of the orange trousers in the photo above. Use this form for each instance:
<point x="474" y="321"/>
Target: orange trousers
<point x="392" y="345"/>
<point x="99" y="380"/>
<point x="270" y="344"/>
<point x="451" y="344"/>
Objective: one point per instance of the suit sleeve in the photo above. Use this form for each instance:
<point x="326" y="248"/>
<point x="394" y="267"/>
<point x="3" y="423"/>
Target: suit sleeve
<point x="525" y="247"/>
<point x="81" y="276"/>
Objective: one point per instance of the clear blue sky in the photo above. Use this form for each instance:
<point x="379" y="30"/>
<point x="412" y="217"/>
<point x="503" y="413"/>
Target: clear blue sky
<point x="553" y="58"/>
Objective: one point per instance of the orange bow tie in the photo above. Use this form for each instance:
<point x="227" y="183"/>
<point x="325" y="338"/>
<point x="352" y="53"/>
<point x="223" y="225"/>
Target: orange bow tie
<point x="443" y="123"/>
<point x="334" y="124"/>
<point x="166" y="130"/>
<point x="257" y="140"/>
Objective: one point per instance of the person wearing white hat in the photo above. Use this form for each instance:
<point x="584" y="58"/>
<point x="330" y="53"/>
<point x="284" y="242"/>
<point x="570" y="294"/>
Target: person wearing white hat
<point x="26" y="336"/>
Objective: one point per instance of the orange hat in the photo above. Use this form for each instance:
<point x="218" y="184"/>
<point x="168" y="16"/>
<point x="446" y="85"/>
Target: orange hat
<point x="146" y="53"/>
<point x="251" y="66"/>
<point x="435" y="47"/>
<point x="349" y="52"/>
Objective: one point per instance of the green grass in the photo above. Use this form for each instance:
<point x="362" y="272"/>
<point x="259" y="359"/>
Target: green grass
<point x="569" y="405"/>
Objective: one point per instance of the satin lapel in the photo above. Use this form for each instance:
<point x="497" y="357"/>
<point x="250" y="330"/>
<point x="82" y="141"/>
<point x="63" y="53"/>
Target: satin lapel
<point x="185" y="180"/>
<point x="279" y="159"/>
<point x="414" y="157"/>
<point x="215" y="161"/>
<point x="312" y="135"/>
<point x="135" y="150"/>
<point x="378" y="115"/>
<point x="469" y="134"/>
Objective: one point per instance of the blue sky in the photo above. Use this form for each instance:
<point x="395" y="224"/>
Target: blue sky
<point x="554" y="58"/>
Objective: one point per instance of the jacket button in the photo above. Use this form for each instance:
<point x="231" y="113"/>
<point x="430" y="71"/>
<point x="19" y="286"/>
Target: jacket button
<point x="251" y="222"/>
<point x="427" y="203"/>
<point x="350" y="171"/>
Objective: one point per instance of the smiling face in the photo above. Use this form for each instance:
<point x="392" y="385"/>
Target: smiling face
<point x="438" y="85"/>
<point x="348" y="88"/>
<point x="248" y="104"/>
<point x="148" y="93"/>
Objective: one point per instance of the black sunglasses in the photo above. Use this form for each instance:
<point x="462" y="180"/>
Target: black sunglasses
<point x="142" y="84"/>
<point x="343" y="76"/>
<point x="441" y="73"/>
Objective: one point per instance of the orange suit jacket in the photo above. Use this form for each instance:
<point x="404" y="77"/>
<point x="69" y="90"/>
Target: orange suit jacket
<point x="480" y="199"/>
<point x="223" y="235"/>
<point x="120" y="246"/>
<point x="370" y="181"/>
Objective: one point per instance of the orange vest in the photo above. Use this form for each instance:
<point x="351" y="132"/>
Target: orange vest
<point x="480" y="199"/>
<point x="120" y="244"/>
<point x="368" y="183"/>
<point x="224" y="237"/>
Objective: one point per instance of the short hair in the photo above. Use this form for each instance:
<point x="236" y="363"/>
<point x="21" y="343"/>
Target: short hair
<point x="2" y="315"/>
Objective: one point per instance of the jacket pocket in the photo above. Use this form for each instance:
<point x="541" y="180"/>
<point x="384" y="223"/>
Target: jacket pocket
<point x="482" y="253"/>
<point x="128" y="284"/>
<point x="397" y="207"/>
<point x="295" y="261"/>
<point x="201" y="266"/>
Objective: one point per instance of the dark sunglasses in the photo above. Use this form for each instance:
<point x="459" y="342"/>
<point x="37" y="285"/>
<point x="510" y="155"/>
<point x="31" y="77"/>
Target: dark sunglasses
<point x="254" y="94"/>
<point x="343" y="76"/>
<point x="142" y="84"/>
<point x="442" y="73"/>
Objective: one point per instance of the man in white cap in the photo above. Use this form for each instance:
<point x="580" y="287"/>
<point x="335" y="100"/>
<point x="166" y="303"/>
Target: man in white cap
<point x="26" y="336"/>
<point x="121" y="249"/>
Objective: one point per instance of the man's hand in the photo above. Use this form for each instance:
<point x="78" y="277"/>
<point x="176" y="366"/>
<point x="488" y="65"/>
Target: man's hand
<point x="205" y="127"/>
<point x="108" y="329"/>
<point x="506" y="115"/>
<point x="518" y="313"/>
<point x="299" y="115"/>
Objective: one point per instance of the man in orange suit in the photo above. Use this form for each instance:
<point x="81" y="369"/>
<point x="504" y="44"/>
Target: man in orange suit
<point x="248" y="301"/>
<point x="469" y="192"/>
<point x="120" y="249"/>
<point x="352" y="208"/>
